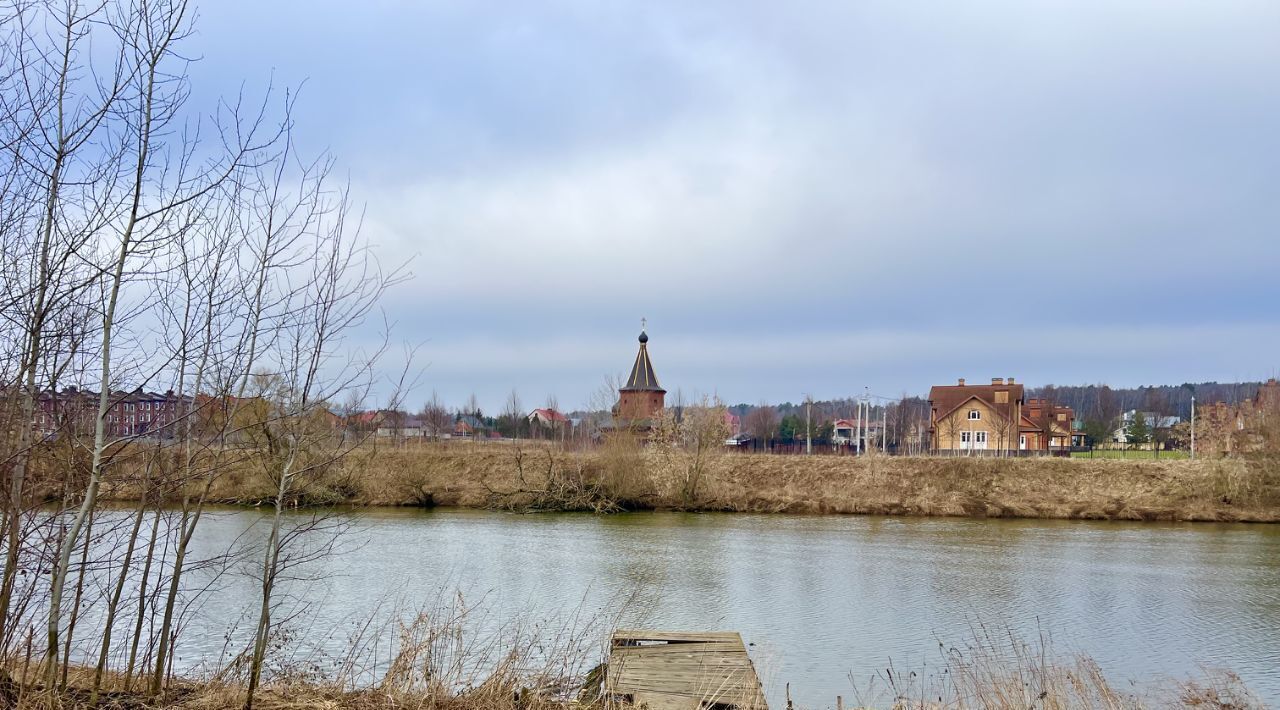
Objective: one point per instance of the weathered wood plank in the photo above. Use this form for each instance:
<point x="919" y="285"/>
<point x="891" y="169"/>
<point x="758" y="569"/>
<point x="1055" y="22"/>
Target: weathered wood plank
<point x="670" y="670"/>
<point x="677" y="636"/>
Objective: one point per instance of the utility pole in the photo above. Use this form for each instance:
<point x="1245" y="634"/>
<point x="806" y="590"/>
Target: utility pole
<point x="1193" y="426"/>
<point x="866" y="414"/>
<point x="884" y="428"/>
<point x="808" y="419"/>
<point x="857" y="431"/>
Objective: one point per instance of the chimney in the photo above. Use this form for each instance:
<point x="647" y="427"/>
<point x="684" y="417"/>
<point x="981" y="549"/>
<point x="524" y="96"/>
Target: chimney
<point x="1010" y="380"/>
<point x="962" y="382"/>
<point x="997" y="380"/>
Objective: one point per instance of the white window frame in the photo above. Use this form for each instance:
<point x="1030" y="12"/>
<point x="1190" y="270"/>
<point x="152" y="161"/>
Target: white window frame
<point x="975" y="415"/>
<point x="1022" y="441"/>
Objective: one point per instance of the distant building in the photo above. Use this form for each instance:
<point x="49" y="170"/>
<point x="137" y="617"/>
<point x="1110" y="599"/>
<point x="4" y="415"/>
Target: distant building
<point x="398" y="425"/>
<point x="1223" y="429"/>
<point x="137" y="414"/>
<point x="1047" y="426"/>
<point x="996" y="417"/>
<point x="547" y="417"/>
<point x="733" y="422"/>
<point x="467" y="426"/>
<point x="1155" y="423"/>
<point x="641" y="399"/>
<point x="548" y="421"/>
<point x="848" y="432"/>
<point x="843" y="431"/>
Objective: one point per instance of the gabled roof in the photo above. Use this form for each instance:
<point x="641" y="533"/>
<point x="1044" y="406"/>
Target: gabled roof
<point x="872" y="423"/>
<point x="946" y="399"/>
<point x="642" y="377"/>
<point x="549" y="415"/>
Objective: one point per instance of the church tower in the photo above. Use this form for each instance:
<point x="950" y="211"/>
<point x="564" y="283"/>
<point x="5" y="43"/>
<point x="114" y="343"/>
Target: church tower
<point x="642" y="398"/>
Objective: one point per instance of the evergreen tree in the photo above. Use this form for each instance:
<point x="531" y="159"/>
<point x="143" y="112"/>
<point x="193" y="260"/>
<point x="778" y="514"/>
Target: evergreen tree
<point x="1096" y="431"/>
<point x="791" y="428"/>
<point x="1138" y="431"/>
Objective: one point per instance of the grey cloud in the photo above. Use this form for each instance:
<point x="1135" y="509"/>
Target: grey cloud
<point x="818" y="172"/>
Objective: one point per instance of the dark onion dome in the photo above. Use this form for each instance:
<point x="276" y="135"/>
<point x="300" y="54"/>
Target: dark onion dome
<point x="644" y="337"/>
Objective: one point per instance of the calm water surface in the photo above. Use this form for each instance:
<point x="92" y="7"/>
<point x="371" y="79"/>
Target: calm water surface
<point x="826" y="601"/>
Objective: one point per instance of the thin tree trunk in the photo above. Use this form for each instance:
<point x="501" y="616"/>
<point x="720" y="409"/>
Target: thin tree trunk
<point x="75" y="605"/>
<point x="187" y="527"/>
<point x="125" y="250"/>
<point x="142" y="601"/>
<point x="269" y="566"/>
<point x="116" y="593"/>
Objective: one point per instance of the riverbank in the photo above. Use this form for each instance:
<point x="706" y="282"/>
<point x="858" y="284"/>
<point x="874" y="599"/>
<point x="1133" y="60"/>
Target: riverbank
<point x="541" y="477"/>
<point x="998" y="675"/>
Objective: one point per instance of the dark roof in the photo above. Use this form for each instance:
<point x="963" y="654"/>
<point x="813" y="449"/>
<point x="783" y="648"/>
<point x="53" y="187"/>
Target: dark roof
<point x="948" y="398"/>
<point x="642" y="377"/>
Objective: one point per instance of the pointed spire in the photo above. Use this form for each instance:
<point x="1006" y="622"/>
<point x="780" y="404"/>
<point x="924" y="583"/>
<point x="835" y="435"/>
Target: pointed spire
<point x="642" y="376"/>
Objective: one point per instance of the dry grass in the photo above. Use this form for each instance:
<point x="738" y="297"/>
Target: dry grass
<point x="1001" y="671"/>
<point x="542" y="477"/>
<point x="449" y="655"/>
<point x="438" y="667"/>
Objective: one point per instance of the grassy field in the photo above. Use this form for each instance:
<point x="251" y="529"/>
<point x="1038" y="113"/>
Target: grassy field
<point x="534" y="477"/>
<point x="1131" y="454"/>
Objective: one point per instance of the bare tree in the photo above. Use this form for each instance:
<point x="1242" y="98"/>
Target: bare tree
<point x="436" y="416"/>
<point x="337" y="292"/>
<point x="703" y="430"/>
<point x="513" y="412"/>
<point x="762" y="422"/>
<point x="136" y="252"/>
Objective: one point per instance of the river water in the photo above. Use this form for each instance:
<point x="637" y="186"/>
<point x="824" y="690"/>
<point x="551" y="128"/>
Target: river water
<point x="828" y="602"/>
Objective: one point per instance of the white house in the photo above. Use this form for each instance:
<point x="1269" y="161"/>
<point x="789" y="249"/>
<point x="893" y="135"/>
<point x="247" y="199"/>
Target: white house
<point x="1153" y="420"/>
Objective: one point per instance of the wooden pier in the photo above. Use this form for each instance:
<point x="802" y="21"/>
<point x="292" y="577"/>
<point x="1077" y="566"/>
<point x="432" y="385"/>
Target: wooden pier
<point x="669" y="670"/>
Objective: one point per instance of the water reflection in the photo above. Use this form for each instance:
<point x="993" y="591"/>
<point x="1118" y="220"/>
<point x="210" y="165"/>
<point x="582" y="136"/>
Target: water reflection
<point x="822" y="598"/>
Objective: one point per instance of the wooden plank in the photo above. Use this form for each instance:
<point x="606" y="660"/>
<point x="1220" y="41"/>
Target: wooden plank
<point x="635" y="635"/>
<point x="677" y="670"/>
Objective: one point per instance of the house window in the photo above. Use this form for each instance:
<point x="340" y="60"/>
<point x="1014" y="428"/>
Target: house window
<point x="974" y="415"/>
<point x="1062" y="417"/>
<point x="965" y="437"/>
<point x="980" y="437"/>
<point x="1002" y="397"/>
<point x="1022" y="441"/>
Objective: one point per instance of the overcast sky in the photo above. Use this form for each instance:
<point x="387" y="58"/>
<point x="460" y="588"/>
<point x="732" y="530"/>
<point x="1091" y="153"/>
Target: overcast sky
<point x="808" y="197"/>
